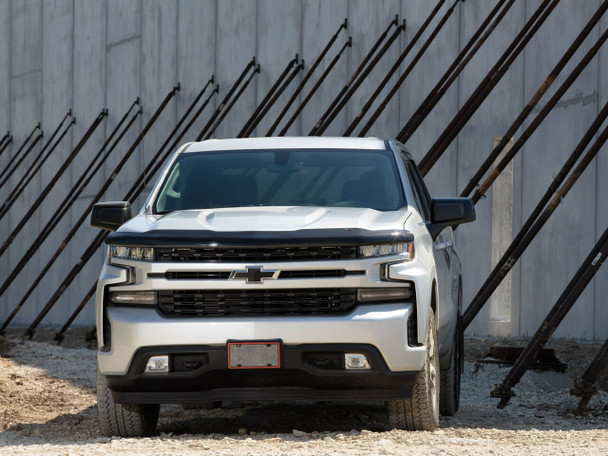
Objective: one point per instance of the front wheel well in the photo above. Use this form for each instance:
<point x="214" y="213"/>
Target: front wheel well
<point x="434" y="306"/>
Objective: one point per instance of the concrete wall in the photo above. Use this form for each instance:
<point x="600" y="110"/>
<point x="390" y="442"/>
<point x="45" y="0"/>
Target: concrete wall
<point x="56" y="55"/>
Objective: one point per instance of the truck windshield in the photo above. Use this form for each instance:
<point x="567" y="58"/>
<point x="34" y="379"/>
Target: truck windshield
<point x="290" y="177"/>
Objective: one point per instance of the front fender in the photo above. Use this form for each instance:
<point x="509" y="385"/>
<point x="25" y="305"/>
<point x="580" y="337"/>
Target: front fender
<point x="110" y="275"/>
<point x="424" y="280"/>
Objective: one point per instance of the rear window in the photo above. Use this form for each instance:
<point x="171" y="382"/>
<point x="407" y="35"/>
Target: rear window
<point x="293" y="177"/>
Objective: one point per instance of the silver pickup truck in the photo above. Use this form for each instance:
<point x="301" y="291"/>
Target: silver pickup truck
<point x="281" y="269"/>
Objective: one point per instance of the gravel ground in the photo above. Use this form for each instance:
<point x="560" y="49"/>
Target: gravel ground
<point x="48" y="406"/>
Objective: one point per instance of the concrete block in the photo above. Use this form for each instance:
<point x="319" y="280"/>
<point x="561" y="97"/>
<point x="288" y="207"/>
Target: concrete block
<point x="475" y="141"/>
<point x="123" y="80"/>
<point x="159" y="75"/>
<point x="320" y="20"/>
<point x="545" y="153"/>
<point x="196" y="51"/>
<point x="366" y="22"/>
<point x="92" y="55"/>
<point x="600" y="282"/>
<point x="57" y="90"/>
<point x="5" y="73"/>
<point x="278" y="20"/>
<point x="236" y="46"/>
<point x="26" y="102"/>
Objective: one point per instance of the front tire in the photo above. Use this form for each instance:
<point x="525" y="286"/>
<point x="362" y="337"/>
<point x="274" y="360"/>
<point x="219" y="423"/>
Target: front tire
<point x="449" y="401"/>
<point x="124" y="420"/>
<point x="421" y="411"/>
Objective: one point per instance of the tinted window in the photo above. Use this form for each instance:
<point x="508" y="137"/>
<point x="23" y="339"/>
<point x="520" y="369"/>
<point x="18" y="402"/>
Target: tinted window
<point x="294" y="177"/>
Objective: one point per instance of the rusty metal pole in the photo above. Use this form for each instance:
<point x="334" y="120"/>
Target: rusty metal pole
<point x="394" y="68"/>
<point x="23" y="156"/>
<point x="308" y="97"/>
<point x="584" y="387"/>
<point x="463" y="58"/>
<point x="355" y="75"/>
<point x="163" y="153"/>
<point x="408" y="70"/>
<point x="506" y="264"/>
<point x="6" y="137"/>
<point x="357" y="83"/>
<point x="47" y="189"/>
<point x="18" y="157"/>
<point x="219" y="109"/>
<point x="31" y="173"/>
<point x="180" y="122"/>
<point x="305" y="79"/>
<point x="72" y="195"/>
<point x="64" y="243"/>
<point x="539" y="118"/>
<point x="568" y="298"/>
<point x="139" y="185"/>
<point x="87" y="255"/>
<point x="6" y="140"/>
<point x="274" y="99"/>
<point x="479" y="301"/>
<point x="535" y="100"/>
<point x="223" y="115"/>
<point x="268" y="96"/>
<point x="489" y="82"/>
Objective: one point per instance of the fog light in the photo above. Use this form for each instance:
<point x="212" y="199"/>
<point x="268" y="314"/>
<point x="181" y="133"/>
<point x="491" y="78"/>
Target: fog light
<point x="157" y="364"/>
<point x="356" y="361"/>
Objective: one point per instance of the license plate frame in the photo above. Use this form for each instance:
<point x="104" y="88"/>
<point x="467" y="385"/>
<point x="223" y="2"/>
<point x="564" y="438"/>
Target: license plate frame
<point x="258" y="354"/>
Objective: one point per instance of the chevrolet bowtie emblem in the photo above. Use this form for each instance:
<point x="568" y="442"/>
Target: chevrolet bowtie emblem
<point x="254" y="274"/>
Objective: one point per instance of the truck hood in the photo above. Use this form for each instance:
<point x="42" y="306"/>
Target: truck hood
<point x="260" y="224"/>
<point x="268" y="219"/>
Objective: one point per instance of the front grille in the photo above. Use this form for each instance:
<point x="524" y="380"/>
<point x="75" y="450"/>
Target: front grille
<point x="254" y="255"/>
<point x="224" y="275"/>
<point x="195" y="275"/>
<point x="236" y="303"/>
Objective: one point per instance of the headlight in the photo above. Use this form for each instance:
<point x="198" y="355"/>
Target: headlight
<point x="132" y="253"/>
<point x="406" y="249"/>
<point x="384" y="294"/>
<point x="133" y="297"/>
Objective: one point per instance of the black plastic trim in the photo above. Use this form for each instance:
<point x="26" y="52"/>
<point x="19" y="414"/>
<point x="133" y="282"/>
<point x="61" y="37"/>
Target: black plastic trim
<point x="207" y="238"/>
<point x="110" y="215"/>
<point x="261" y="394"/>
<point x="297" y="378"/>
<point x="284" y="274"/>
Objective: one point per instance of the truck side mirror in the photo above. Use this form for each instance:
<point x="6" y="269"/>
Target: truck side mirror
<point x="110" y="215"/>
<point x="450" y="212"/>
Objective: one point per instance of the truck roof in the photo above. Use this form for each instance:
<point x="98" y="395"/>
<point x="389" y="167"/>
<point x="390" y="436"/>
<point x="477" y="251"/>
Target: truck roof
<point x="286" y="142"/>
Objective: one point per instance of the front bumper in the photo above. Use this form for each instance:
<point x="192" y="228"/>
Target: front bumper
<point x="200" y="374"/>
<point x="130" y="334"/>
<point x="381" y="326"/>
